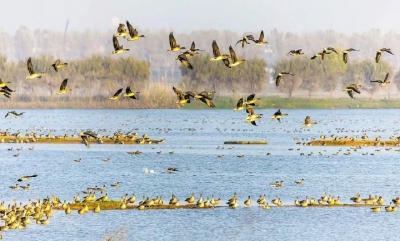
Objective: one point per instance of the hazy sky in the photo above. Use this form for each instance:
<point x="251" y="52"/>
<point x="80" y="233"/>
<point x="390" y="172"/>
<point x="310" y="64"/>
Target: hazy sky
<point x="186" y="15"/>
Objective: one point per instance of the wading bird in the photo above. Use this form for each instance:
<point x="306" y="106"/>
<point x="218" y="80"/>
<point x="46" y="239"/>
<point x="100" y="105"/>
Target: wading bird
<point x="279" y="77"/>
<point x="133" y="33"/>
<point x="63" y="88"/>
<point x="172" y="43"/>
<point x="384" y="82"/>
<point x="32" y="73"/>
<point x="118" y="49"/>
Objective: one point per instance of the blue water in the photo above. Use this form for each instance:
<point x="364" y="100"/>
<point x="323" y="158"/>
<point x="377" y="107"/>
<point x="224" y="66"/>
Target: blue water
<point x="196" y="137"/>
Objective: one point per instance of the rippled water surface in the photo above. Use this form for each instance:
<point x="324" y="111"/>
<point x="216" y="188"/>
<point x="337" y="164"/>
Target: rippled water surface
<point x="197" y="137"/>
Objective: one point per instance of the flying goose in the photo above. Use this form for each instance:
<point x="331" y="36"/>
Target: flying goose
<point x="308" y="122"/>
<point x="57" y="65"/>
<point x="322" y="55"/>
<point x="85" y="137"/>
<point x="116" y="95"/>
<point x="121" y="31"/>
<point x="351" y="88"/>
<point x="241" y="105"/>
<point x="234" y="59"/>
<point x="346" y="52"/>
<point x="133" y="33"/>
<point x="252" y="117"/>
<point x="182" y="97"/>
<point x="24" y="178"/>
<point x="384" y="82"/>
<point x="63" y="88"/>
<point x="295" y="52"/>
<point x="16" y="115"/>
<point x="260" y="40"/>
<point x="118" y="49"/>
<point x="279" y="77"/>
<point x="192" y="51"/>
<point x="203" y="97"/>
<point x="278" y="115"/>
<point x="244" y="41"/>
<point x="216" y="53"/>
<point x="172" y="43"/>
<point x="251" y="99"/>
<point x="329" y="49"/>
<point x="129" y="93"/>
<point x="32" y="73"/>
<point x="379" y="53"/>
<point x="184" y="60"/>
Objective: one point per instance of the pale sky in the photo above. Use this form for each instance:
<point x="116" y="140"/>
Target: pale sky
<point x="185" y="15"/>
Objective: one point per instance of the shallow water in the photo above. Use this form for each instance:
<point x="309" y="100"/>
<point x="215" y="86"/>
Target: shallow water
<point x="194" y="136"/>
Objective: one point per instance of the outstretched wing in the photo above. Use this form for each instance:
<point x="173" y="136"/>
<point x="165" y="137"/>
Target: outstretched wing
<point x="215" y="49"/>
<point x="378" y="56"/>
<point x="233" y="54"/>
<point x="240" y="103"/>
<point x="172" y="41"/>
<point x="386" y="77"/>
<point x="261" y="36"/>
<point x="345" y="58"/>
<point x="85" y="141"/>
<point x="116" y="43"/>
<point x="63" y="84"/>
<point x="278" y="113"/>
<point x="307" y="120"/>
<point x="128" y="90"/>
<point x="208" y="102"/>
<point x="251" y="97"/>
<point x="177" y="91"/>
<point x="131" y="30"/>
<point x="278" y="80"/>
<point x="118" y="92"/>
<point x="226" y="62"/>
<point x="193" y="46"/>
<point x="350" y="92"/>
<point x="30" y="66"/>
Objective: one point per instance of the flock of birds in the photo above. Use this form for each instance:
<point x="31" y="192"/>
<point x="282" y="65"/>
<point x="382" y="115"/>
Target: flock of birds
<point x="18" y="216"/>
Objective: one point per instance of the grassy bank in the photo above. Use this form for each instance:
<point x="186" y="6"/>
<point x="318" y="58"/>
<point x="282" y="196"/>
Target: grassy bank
<point x="168" y="102"/>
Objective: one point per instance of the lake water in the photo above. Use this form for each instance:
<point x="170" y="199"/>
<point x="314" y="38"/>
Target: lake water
<point x="197" y="137"/>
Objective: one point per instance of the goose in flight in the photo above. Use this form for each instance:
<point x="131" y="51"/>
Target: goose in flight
<point x="384" y="82"/>
<point x="116" y="95"/>
<point x="184" y="60"/>
<point x="172" y="43"/>
<point x="278" y="115"/>
<point x="57" y="65"/>
<point x="121" y="31"/>
<point x="322" y="55"/>
<point x="182" y="97"/>
<point x="16" y="115"/>
<point x="260" y="40"/>
<point x="86" y="135"/>
<point x="32" y="73"/>
<point x="202" y="96"/>
<point x="353" y="87"/>
<point x="308" y="122"/>
<point x="279" y="77"/>
<point x="244" y="41"/>
<point x="129" y="93"/>
<point x="346" y="52"/>
<point x="235" y="61"/>
<point x="216" y="53"/>
<point x="329" y="49"/>
<point x="192" y="51"/>
<point x="118" y="49"/>
<point x="295" y="52"/>
<point x="63" y="88"/>
<point x="252" y="117"/>
<point x="24" y="178"/>
<point x="133" y="33"/>
<point x="379" y="53"/>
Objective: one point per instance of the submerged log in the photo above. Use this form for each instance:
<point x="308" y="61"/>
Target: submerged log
<point x="259" y="142"/>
